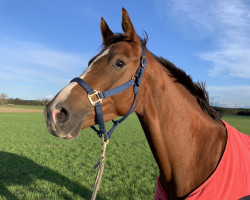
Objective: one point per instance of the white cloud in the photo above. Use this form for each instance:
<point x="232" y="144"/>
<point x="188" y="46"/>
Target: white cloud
<point x="37" y="62"/>
<point x="230" y="96"/>
<point x="227" y="22"/>
<point x="49" y="96"/>
<point x="32" y="70"/>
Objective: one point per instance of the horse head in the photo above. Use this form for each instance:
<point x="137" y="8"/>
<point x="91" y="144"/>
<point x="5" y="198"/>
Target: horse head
<point x="71" y="109"/>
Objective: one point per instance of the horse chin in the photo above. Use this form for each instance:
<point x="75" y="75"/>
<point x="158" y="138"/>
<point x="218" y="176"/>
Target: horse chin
<point x="68" y="134"/>
<point x="74" y="133"/>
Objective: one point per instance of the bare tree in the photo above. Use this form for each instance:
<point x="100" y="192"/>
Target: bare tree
<point x="3" y="98"/>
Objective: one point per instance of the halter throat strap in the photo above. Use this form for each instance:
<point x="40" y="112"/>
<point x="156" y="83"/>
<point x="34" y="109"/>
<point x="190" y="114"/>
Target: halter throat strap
<point x="96" y="97"/>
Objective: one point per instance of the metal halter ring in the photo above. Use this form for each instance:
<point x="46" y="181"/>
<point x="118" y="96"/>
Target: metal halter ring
<point x="95" y="94"/>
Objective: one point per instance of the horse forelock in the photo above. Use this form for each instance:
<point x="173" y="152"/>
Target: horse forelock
<point x="119" y="37"/>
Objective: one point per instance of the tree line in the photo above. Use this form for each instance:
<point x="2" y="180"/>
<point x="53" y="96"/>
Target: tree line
<point x="233" y="111"/>
<point x="4" y="100"/>
<point x="18" y="101"/>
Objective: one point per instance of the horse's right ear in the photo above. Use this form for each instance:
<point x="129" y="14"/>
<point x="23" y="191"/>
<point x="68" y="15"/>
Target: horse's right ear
<point x="128" y="27"/>
<point x="106" y="32"/>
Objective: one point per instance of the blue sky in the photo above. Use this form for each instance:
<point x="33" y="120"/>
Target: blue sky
<point x="45" y="43"/>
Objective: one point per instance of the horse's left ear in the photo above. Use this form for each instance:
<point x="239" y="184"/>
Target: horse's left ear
<point x="106" y="32"/>
<point x="128" y="27"/>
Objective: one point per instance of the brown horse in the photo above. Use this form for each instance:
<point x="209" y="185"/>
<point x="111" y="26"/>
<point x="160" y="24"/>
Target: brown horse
<point x="185" y="134"/>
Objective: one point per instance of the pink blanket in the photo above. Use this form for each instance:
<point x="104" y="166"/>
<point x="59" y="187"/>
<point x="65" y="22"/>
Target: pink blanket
<point x="231" y="179"/>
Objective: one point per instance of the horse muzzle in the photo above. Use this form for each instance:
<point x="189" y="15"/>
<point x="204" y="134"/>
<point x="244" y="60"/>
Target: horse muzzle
<point x="61" y="123"/>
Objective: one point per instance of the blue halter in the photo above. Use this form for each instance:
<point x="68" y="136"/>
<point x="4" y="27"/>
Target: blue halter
<point x="135" y="82"/>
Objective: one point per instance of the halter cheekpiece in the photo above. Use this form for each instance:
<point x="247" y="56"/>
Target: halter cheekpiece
<point x="96" y="97"/>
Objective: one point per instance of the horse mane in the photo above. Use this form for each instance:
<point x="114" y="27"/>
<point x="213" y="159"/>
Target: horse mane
<point x="197" y="89"/>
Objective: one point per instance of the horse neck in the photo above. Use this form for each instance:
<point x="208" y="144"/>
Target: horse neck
<point x="186" y="143"/>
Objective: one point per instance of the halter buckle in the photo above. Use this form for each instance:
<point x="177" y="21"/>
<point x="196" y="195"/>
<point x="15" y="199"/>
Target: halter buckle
<point x="143" y="61"/>
<point x="96" y="96"/>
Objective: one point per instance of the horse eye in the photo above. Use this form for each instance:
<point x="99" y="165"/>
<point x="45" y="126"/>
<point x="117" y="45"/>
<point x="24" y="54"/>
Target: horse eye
<point x="119" y="63"/>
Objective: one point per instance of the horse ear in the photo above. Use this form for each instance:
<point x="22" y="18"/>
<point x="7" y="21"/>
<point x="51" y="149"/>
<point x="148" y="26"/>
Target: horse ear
<point x="128" y="27"/>
<point x="105" y="30"/>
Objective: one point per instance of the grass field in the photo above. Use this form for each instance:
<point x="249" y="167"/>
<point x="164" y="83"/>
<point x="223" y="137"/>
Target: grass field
<point x="36" y="165"/>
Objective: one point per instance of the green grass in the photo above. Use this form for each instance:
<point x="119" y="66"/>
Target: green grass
<point x="36" y="165"/>
<point x="242" y="123"/>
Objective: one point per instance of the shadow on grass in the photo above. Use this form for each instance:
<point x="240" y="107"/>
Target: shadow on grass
<point x="18" y="170"/>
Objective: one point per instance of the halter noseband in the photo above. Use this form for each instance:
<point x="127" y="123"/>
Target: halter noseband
<point x="99" y="96"/>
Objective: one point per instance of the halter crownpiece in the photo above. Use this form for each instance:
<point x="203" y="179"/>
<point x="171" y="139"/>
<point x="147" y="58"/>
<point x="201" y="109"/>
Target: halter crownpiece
<point x="96" y="97"/>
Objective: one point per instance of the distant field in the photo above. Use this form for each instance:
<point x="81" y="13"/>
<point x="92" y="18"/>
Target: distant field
<point x="242" y="123"/>
<point x="36" y="165"/>
<point x="25" y="107"/>
<point x="20" y="109"/>
<point x="29" y="107"/>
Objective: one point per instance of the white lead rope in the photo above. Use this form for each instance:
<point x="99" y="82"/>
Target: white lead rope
<point x="100" y="169"/>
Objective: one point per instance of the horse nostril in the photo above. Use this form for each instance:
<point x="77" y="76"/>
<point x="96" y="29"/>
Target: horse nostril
<point x="60" y="116"/>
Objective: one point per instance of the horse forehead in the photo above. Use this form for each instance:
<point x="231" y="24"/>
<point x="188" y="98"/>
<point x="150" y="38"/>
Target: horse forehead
<point x="122" y="48"/>
<point x="66" y="91"/>
<point x="104" y="53"/>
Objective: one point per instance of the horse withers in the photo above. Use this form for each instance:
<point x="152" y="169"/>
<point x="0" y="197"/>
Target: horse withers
<point x="199" y="156"/>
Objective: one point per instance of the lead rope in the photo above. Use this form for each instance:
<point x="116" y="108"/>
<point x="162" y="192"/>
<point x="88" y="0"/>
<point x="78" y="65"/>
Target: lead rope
<point x="100" y="169"/>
